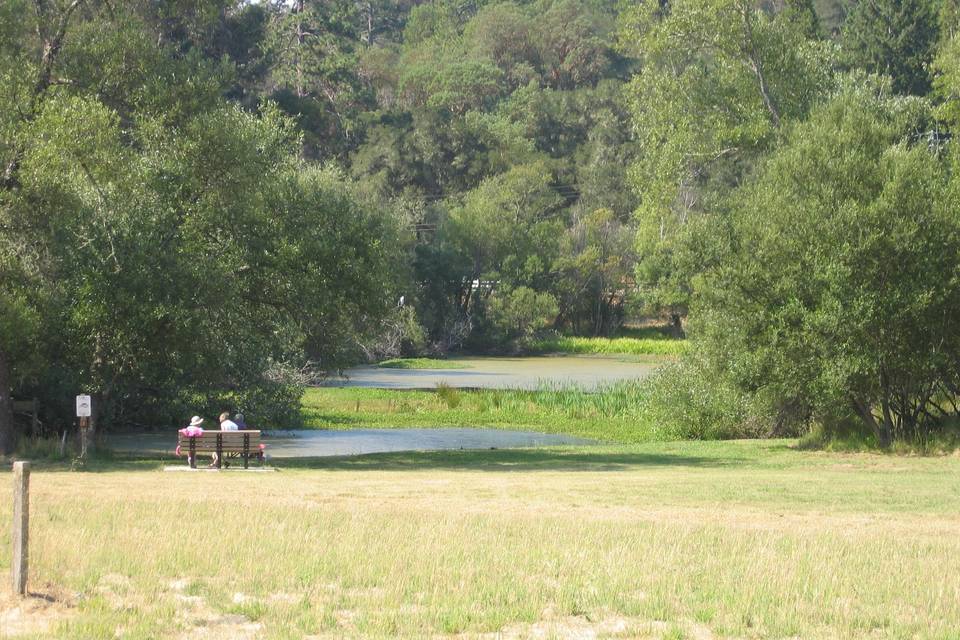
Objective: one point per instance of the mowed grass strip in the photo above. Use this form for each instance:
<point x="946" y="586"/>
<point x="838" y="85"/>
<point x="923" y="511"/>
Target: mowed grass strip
<point x="613" y="414"/>
<point x="690" y="540"/>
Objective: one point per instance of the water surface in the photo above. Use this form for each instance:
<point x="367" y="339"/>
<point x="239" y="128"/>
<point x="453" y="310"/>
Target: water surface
<point x="585" y="372"/>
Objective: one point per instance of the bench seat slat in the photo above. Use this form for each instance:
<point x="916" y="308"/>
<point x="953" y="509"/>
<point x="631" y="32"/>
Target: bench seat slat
<point x="251" y="451"/>
<point x="225" y="447"/>
<point x="225" y="440"/>
<point x="231" y="441"/>
<point x="213" y="444"/>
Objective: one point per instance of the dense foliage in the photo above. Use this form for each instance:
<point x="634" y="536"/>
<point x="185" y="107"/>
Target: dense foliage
<point x="162" y="248"/>
<point x="804" y="213"/>
<point x="204" y="202"/>
<point x="840" y="292"/>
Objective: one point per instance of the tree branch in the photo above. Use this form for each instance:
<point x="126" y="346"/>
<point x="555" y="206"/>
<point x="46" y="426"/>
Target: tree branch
<point x="51" y="49"/>
<point x="757" y="66"/>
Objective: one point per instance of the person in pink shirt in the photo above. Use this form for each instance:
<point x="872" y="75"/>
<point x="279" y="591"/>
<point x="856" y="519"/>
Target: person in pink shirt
<point x="192" y="430"/>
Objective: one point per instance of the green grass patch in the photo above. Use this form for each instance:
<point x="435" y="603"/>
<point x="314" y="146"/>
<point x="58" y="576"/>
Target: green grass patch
<point x="662" y="540"/>
<point x="421" y="363"/>
<point x="613" y="414"/>
<point x="660" y="346"/>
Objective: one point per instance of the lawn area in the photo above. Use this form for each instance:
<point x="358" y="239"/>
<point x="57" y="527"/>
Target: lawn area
<point x="612" y="415"/>
<point x="740" y="539"/>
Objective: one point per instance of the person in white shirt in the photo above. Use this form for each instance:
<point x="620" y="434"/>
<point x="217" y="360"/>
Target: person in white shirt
<point x="226" y="424"/>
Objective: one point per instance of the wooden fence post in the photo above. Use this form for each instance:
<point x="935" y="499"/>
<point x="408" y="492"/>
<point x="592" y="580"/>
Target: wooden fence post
<point x="21" y="526"/>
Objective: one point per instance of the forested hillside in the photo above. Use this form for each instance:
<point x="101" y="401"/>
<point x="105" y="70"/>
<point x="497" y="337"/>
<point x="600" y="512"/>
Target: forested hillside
<point x="209" y="201"/>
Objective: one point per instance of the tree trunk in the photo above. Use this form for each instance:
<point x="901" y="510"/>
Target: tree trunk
<point x="865" y="411"/>
<point x="886" y="427"/>
<point x="880" y="429"/>
<point x="757" y="66"/>
<point x="676" y="325"/>
<point x="367" y="35"/>
<point x="6" y="407"/>
<point x="301" y="38"/>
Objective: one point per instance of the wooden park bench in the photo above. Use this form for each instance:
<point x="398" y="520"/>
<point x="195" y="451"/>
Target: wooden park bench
<point x="242" y="444"/>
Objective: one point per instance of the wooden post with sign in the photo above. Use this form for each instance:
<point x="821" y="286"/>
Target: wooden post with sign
<point x="21" y="526"/>
<point x="83" y="437"/>
<point x="83" y="412"/>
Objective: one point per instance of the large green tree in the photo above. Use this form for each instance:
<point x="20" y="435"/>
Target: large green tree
<point x="719" y="79"/>
<point x="163" y="249"/>
<point x="839" y="293"/>
<point x="312" y="48"/>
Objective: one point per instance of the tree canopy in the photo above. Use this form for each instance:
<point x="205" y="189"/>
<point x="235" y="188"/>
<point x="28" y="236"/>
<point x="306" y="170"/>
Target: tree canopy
<point x="839" y="292"/>
<point x="205" y="204"/>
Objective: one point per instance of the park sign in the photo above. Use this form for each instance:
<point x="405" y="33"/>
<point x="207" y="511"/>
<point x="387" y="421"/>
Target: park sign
<point x="83" y="406"/>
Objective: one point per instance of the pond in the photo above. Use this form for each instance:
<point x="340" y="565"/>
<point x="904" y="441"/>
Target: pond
<point x="585" y="372"/>
<point x="316" y="443"/>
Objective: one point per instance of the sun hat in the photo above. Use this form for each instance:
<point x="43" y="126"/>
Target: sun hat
<point x="195" y="421"/>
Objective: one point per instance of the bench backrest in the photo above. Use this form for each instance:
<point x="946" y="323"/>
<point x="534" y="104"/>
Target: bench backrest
<point x="230" y="441"/>
<point x="25" y="406"/>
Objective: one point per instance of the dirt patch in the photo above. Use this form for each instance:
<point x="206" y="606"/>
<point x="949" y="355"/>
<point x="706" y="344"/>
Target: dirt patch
<point x="199" y="620"/>
<point x="346" y="618"/>
<point x="37" y="613"/>
<point x="578" y="628"/>
<point x="595" y="626"/>
<point x="117" y="591"/>
<point x="284" y="598"/>
<point x="225" y="627"/>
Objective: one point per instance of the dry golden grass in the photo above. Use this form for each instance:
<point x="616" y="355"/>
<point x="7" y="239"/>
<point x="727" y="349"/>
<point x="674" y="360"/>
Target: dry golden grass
<point x="708" y="540"/>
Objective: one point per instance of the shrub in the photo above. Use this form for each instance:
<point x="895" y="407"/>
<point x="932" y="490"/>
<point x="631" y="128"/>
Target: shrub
<point x="687" y="400"/>
<point x="449" y="395"/>
<point x="522" y="312"/>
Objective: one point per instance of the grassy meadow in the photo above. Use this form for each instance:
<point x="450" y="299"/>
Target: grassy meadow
<point x="613" y="415"/>
<point x="659" y="345"/>
<point x="739" y="539"/>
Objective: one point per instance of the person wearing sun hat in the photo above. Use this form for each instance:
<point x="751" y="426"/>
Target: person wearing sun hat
<point x="192" y="430"/>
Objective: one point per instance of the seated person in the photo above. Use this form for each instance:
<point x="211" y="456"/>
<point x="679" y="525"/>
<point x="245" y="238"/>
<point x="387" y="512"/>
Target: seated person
<point x="192" y="430"/>
<point x="226" y="424"/>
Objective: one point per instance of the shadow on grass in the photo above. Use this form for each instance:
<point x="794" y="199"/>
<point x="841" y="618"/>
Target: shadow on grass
<point x="101" y="462"/>
<point x="589" y="458"/>
<point x="504" y="460"/>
